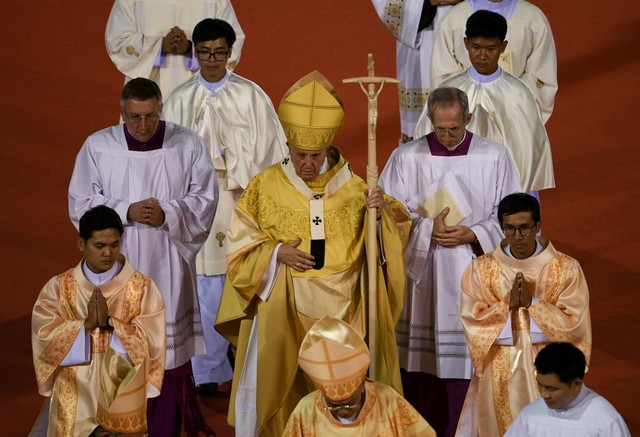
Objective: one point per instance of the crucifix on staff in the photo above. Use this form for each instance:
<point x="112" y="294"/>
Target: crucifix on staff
<point x="372" y="93"/>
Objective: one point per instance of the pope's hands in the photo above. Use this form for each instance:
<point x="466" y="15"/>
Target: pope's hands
<point x="295" y="258"/>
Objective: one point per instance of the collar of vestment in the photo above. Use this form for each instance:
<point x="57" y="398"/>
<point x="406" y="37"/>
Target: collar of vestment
<point x="113" y="286"/>
<point x="316" y="190"/>
<point x="213" y="86"/>
<point x="438" y="149"/>
<point x="102" y="277"/>
<point x="485" y="78"/>
<point x="154" y="143"/>
<point x="533" y="261"/>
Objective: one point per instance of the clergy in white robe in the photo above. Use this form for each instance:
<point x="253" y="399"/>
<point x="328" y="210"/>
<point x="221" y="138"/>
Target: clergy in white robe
<point x="477" y="173"/>
<point x="516" y="300"/>
<point x="566" y="407"/>
<point x="590" y="415"/>
<point x="135" y="32"/>
<point x="413" y="24"/>
<point x="240" y="127"/>
<point x="159" y="177"/>
<point x="504" y="109"/>
<point x="530" y="54"/>
<point x="75" y="343"/>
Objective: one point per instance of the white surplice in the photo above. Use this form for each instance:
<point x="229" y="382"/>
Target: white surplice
<point x="504" y="111"/>
<point x="136" y="27"/>
<point x="243" y="135"/>
<point x="240" y="127"/>
<point x="589" y="415"/>
<point x="430" y="333"/>
<point x="180" y="176"/>
<point x="530" y="53"/>
<point x="413" y="54"/>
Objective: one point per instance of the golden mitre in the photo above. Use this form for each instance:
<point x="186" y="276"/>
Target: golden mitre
<point x="335" y="357"/>
<point x="311" y="112"/>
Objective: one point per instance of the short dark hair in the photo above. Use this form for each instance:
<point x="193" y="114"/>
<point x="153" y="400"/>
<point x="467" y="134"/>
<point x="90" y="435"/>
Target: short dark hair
<point x="518" y="202"/>
<point x="562" y="359"/>
<point x="486" y="24"/>
<point x="446" y="97"/>
<point x="210" y="29"/>
<point x="140" y="88"/>
<point x="97" y="219"/>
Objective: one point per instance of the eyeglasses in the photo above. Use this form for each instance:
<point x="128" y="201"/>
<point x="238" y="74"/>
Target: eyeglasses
<point x="135" y="118"/>
<point x="452" y="132"/>
<point x="205" y="55"/>
<point x="510" y="231"/>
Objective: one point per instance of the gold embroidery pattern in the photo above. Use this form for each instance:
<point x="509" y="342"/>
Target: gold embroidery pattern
<point x="67" y="401"/>
<point x="341" y="390"/>
<point x="296" y="427"/>
<point x="287" y="224"/>
<point x="393" y="12"/>
<point x="99" y="342"/>
<point x="130" y="422"/>
<point x="412" y="99"/>
<point x="522" y="322"/>
<point x="479" y="348"/>
<point x="137" y="348"/>
<point x="499" y="382"/>
<point x="542" y="312"/>
<point x="406" y="417"/>
<point x="64" y="335"/>
<point x="68" y="290"/>
<point x="131" y="51"/>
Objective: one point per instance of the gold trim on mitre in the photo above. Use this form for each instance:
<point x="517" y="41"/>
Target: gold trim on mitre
<point x="335" y="357"/>
<point x="311" y="112"/>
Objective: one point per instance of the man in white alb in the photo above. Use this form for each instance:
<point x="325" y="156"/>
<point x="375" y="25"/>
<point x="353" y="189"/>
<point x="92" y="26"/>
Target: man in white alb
<point x="413" y="23"/>
<point x="530" y="56"/>
<point x="159" y="178"/>
<point x="151" y="38"/>
<point x="241" y="129"/>
<point x="452" y="181"/>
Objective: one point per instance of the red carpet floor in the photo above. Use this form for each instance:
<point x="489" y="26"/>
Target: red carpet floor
<point x="58" y="86"/>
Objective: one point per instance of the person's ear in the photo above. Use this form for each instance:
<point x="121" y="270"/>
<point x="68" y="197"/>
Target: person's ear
<point x="81" y="244"/>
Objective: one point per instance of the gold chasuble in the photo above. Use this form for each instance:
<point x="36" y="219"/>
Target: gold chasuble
<point x="279" y="207"/>
<point x="384" y="414"/>
<point x="107" y="390"/>
<point x="504" y="379"/>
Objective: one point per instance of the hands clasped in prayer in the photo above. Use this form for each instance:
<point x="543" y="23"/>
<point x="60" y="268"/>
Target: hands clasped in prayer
<point x="97" y="311"/>
<point x="301" y="261"/>
<point x="146" y="211"/>
<point x="175" y="42"/>
<point x="520" y="293"/>
<point x="450" y="236"/>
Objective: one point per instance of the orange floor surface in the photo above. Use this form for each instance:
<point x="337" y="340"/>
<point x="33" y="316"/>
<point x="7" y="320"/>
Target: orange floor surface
<point x="58" y="86"/>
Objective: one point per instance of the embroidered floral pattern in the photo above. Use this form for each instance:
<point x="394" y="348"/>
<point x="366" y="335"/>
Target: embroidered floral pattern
<point x="500" y="364"/>
<point x="393" y="12"/>
<point x="489" y="273"/>
<point x="67" y="401"/>
<point x="412" y="99"/>
<point x="286" y="223"/>
<point x="65" y="333"/>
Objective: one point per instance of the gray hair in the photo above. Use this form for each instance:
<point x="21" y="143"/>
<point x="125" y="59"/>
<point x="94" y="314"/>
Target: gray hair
<point x="446" y="97"/>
